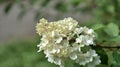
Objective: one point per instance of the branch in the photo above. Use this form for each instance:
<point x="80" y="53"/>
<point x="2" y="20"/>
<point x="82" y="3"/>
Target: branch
<point x="118" y="47"/>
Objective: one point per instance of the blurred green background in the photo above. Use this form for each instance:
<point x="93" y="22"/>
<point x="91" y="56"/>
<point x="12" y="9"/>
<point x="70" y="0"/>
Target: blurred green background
<point x="18" y="38"/>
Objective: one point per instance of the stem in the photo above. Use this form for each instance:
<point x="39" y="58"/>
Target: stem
<point x="116" y="9"/>
<point x="118" y="47"/>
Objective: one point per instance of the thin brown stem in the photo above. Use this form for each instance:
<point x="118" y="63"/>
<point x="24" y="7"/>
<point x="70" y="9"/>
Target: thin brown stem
<point x="109" y="47"/>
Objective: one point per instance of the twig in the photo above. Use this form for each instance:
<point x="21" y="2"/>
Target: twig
<point x="118" y="47"/>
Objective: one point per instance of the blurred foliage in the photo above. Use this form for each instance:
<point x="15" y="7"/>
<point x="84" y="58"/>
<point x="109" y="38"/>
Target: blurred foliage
<point x="103" y="11"/>
<point x="108" y="10"/>
<point x="45" y="2"/>
<point x="106" y="23"/>
<point x="22" y="54"/>
<point x="61" y="6"/>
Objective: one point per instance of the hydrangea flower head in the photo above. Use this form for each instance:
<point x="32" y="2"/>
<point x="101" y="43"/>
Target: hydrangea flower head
<point x="65" y="39"/>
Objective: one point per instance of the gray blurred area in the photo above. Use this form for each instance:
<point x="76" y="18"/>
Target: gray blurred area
<point x="13" y="28"/>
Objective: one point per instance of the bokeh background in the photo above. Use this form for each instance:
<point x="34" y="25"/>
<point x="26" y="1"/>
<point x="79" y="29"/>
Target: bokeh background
<point x="18" y="18"/>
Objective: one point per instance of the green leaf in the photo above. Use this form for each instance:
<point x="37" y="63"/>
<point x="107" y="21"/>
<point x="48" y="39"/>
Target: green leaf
<point x="102" y="54"/>
<point x="76" y="2"/>
<point x="8" y="7"/>
<point x="61" y="6"/>
<point x="115" y="39"/>
<point x="112" y="29"/>
<point x="77" y="65"/>
<point x="116" y="57"/>
<point x="97" y="26"/>
<point x="111" y="8"/>
<point x="100" y="35"/>
<point x="45" y="3"/>
<point x="69" y="63"/>
<point x="115" y="65"/>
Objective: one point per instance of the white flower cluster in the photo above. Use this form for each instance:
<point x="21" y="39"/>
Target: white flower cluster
<point x="64" y="39"/>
